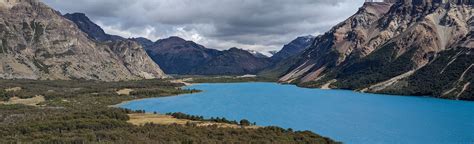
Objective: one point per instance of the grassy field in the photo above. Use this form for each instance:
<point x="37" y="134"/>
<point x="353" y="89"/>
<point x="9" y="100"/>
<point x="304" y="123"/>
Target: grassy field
<point x="81" y="112"/>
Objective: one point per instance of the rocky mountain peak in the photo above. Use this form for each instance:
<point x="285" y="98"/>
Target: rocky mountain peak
<point x="78" y="16"/>
<point x="93" y="30"/>
<point x="235" y="49"/>
<point x="175" y="39"/>
<point x="295" y="47"/>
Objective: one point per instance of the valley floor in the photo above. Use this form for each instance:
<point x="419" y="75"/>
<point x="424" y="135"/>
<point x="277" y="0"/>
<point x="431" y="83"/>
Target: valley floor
<point x="80" y="112"/>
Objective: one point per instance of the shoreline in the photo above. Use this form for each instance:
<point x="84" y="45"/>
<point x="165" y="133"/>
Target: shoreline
<point x="178" y="81"/>
<point x="127" y="101"/>
<point x="182" y="81"/>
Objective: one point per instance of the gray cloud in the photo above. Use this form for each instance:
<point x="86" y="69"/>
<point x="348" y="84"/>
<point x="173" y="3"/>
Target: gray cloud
<point x="251" y="24"/>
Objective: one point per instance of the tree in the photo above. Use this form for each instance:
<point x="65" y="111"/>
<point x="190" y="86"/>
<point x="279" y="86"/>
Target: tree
<point x="3" y="96"/>
<point x="244" y="122"/>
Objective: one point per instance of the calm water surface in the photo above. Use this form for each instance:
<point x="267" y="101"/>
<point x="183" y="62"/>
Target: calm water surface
<point x="345" y="116"/>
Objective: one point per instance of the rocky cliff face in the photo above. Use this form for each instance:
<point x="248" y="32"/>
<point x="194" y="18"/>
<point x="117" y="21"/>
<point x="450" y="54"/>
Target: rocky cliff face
<point x="178" y="56"/>
<point x="37" y="42"/>
<point x="387" y="47"/>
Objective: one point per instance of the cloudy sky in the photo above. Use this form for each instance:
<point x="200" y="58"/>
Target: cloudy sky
<point x="261" y="25"/>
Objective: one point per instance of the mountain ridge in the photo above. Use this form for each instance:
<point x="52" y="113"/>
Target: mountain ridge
<point x="93" y="30"/>
<point x="179" y="56"/>
<point x="383" y="46"/>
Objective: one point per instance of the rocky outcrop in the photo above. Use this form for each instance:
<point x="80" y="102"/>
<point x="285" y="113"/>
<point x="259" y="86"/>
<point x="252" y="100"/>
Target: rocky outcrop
<point x="135" y="59"/>
<point x="37" y="42"/>
<point x="386" y="47"/>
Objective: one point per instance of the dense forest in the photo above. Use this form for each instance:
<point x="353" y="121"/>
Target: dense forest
<point x="81" y="112"/>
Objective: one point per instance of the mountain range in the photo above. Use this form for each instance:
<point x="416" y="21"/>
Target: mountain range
<point x="408" y="47"/>
<point x="178" y="56"/>
<point x="37" y="42"/>
<point x="418" y="47"/>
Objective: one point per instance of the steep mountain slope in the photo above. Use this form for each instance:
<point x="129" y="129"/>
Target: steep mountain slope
<point x="293" y="48"/>
<point x="38" y="43"/>
<point x="178" y="56"/>
<point x="387" y="47"/>
<point x="93" y="30"/>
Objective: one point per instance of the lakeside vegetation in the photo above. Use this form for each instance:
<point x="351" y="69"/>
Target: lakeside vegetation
<point x="80" y="112"/>
<point x="179" y="115"/>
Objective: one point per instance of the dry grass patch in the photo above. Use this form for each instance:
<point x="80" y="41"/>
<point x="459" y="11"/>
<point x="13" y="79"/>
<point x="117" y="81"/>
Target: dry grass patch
<point x="14" y="89"/>
<point x="34" y="101"/>
<point x="144" y="118"/>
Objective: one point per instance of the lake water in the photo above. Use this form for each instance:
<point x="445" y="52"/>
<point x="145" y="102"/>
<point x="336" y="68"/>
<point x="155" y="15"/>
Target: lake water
<point x="345" y="116"/>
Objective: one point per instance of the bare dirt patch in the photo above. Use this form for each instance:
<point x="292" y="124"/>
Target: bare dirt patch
<point x="124" y="91"/>
<point x="34" y="101"/>
<point x="183" y="81"/>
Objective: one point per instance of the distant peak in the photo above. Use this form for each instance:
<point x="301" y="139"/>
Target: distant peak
<point x="235" y="49"/>
<point x="141" y="38"/>
<point x="77" y="16"/>
<point x="175" y="38"/>
<point x="82" y="15"/>
<point x="307" y="37"/>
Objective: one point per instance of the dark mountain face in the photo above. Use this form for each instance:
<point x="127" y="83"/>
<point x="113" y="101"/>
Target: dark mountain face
<point x="293" y="48"/>
<point x="93" y="30"/>
<point x="232" y="62"/>
<point x="178" y="56"/>
<point x="409" y="47"/>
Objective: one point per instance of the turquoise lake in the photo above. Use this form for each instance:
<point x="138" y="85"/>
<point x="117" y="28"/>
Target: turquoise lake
<point x="345" y="116"/>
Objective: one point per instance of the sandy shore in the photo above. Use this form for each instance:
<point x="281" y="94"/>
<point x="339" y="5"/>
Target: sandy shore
<point x="183" y="81"/>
